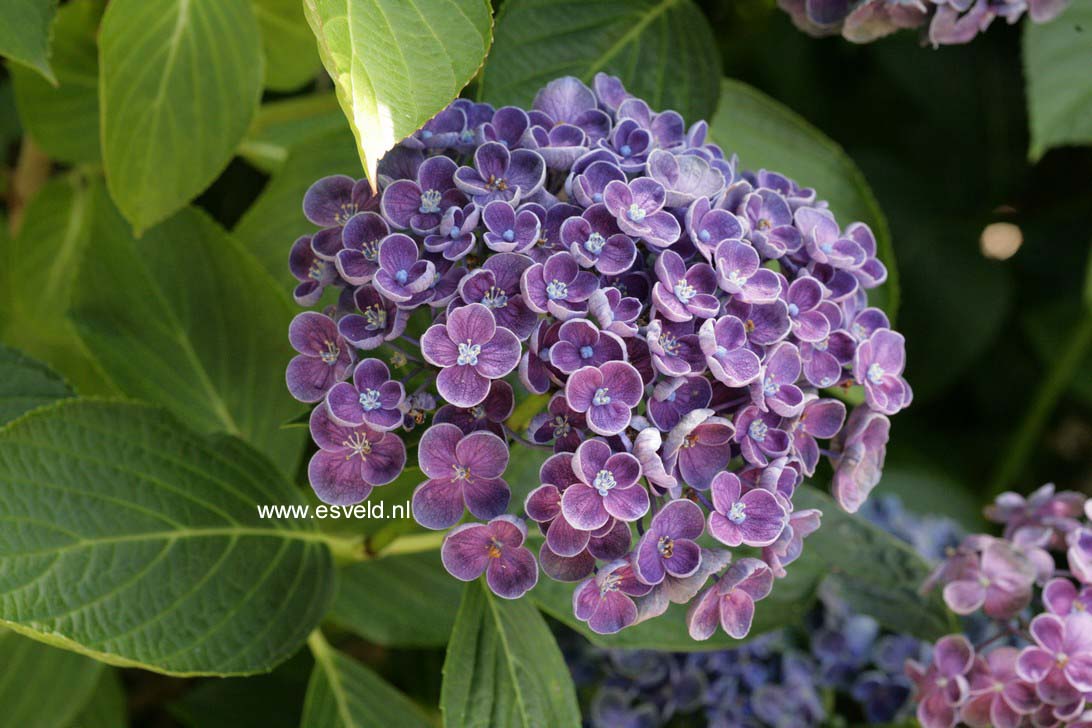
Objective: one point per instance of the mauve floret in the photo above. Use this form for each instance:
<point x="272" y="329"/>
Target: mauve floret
<point x="681" y="316"/>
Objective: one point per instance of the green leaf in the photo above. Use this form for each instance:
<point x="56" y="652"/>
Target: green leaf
<point x="345" y="694"/>
<point x="396" y="63"/>
<point x="106" y="708"/>
<point x="180" y="81"/>
<point x="281" y="125"/>
<point x="26" y="384"/>
<point x="276" y="219"/>
<point x="769" y="135"/>
<point x="398" y="601"/>
<point x="876" y="573"/>
<point x="1056" y="56"/>
<point x="291" y="59"/>
<point x="663" y="50"/>
<point x="503" y="667"/>
<point x="135" y="541"/>
<point x="42" y="687"/>
<point x="63" y="117"/>
<point x="787" y="604"/>
<point x="25" y="33"/>
<point x="40" y="267"/>
<point x="184" y="317"/>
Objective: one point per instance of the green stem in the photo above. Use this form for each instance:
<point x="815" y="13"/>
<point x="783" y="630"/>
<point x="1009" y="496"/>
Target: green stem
<point x="1042" y="406"/>
<point x="412" y="543"/>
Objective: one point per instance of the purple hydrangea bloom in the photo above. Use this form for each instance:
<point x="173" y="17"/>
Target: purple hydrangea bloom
<point x="595" y="240"/>
<point x="682" y="293"/>
<point x="379" y="319"/>
<point x="878" y="366"/>
<point x="496" y="285"/>
<point x="673" y="399"/>
<point x="560" y="424"/>
<point x="685" y="177"/>
<point x="675" y="348"/>
<point x="723" y="341"/>
<point x="358" y="259"/>
<point x="313" y="273"/>
<point x="454" y="238"/>
<point x="351" y="460"/>
<point x="754" y="518"/>
<point x="802" y="301"/>
<point x="462" y="469"/>
<point x="820" y="418"/>
<point x="614" y="312"/>
<point x="558" y="287"/>
<point x="1060" y="662"/>
<point x="699" y="447"/>
<point x="638" y="209"/>
<point x="581" y="344"/>
<point x="739" y="273"/>
<point x="499" y="174"/>
<point x="760" y="436"/>
<point x="324" y="356"/>
<point x="401" y="275"/>
<point x="606" y="395"/>
<point x="420" y="204"/>
<point x="472" y="350"/>
<point x="775" y="389"/>
<point x="863" y="449"/>
<point x="607" y="487"/>
<point x="669" y="546"/>
<point x="709" y="226"/>
<point x="509" y="230"/>
<point x="731" y="601"/>
<point x="588" y="185"/>
<point x="942" y="686"/>
<point x="372" y="399"/>
<point x="568" y="101"/>
<point x="495" y="549"/>
<point x="605" y="602"/>
<point x="330" y="203"/>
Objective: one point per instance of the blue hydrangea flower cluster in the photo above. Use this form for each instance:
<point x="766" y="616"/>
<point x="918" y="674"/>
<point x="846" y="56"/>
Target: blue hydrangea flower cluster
<point x="947" y="22"/>
<point x="841" y="663"/>
<point x="684" y="322"/>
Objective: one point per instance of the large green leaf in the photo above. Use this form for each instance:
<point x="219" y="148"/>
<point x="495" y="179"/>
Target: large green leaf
<point x="768" y="135"/>
<point x="876" y="573"/>
<point x="402" y="601"/>
<point x="503" y="667"/>
<point x="396" y="63"/>
<point x="26" y="384"/>
<point x="131" y="539"/>
<point x="63" y="117"/>
<point x="106" y="708"/>
<point x="663" y="50"/>
<point x="281" y="125"/>
<point x="186" y="318"/>
<point x="345" y="694"/>
<point x="276" y="219"/>
<point x="1056" y="65"/>
<point x="291" y="58"/>
<point x="25" y="33"/>
<point x="180" y="81"/>
<point x="39" y="267"/>
<point x="42" y="687"/>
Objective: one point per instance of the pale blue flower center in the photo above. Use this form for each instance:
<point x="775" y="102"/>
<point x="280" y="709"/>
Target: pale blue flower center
<point x="358" y="445"/>
<point x="793" y="309"/>
<point x="769" y="387"/>
<point x="666" y="546"/>
<point x="821" y="345"/>
<point x="375" y="318"/>
<point x="601" y="397"/>
<point x="455" y="231"/>
<point x="858" y="331"/>
<point x="604" y="481"/>
<point x="402" y="276"/>
<point x="757" y="430"/>
<point x="467" y="137"/>
<point x="736" y="278"/>
<point x="509" y="235"/>
<point x="468" y="353"/>
<point x="586" y="352"/>
<point x="626" y="150"/>
<point x="461" y="472"/>
<point x="495" y="298"/>
<point x="635" y="213"/>
<point x="330" y="353"/>
<point x="671" y="395"/>
<point x="737" y="513"/>
<point x="826" y="382"/>
<point x="875" y="373"/>
<point x="721" y="351"/>
<point x="316" y="270"/>
<point x="826" y="247"/>
<point x="426" y="134"/>
<point x="610" y="584"/>
<point x="557" y="290"/>
<point x="597" y="197"/>
<point x="369" y="400"/>
<point x="684" y="291"/>
<point x="704" y="235"/>
<point x="594" y="244"/>
<point x="430" y="202"/>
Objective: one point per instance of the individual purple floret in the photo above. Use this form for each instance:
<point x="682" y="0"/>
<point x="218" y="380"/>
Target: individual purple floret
<point x="462" y="469"/>
<point x="606" y="395"/>
<point x="673" y="321"/>
<point x="472" y="350"/>
<point x="669" y="546"/>
<point x="372" y="399"/>
<point x="324" y="356"/>
<point x="351" y="460"/>
<point x="498" y="174"/>
<point x="495" y="549"/>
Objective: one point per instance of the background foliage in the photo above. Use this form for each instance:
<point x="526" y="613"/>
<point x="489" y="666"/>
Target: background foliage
<point x="154" y="155"/>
